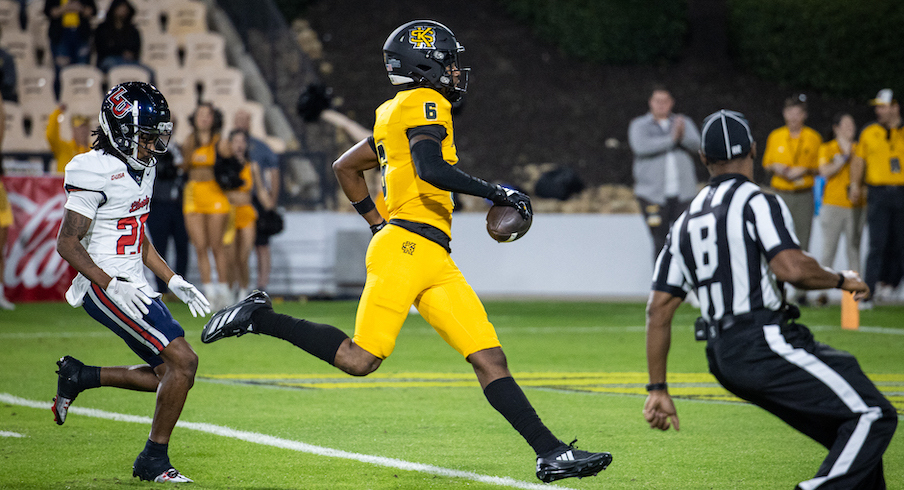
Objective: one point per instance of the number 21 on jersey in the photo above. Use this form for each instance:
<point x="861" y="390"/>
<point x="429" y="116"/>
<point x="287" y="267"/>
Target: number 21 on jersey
<point x="130" y="243"/>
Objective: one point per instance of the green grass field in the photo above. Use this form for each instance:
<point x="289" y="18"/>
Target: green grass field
<point x="264" y="415"/>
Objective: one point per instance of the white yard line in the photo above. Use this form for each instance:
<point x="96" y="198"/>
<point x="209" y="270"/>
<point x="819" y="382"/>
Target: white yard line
<point x="266" y="440"/>
<point x="4" y="433"/>
<point x="890" y="331"/>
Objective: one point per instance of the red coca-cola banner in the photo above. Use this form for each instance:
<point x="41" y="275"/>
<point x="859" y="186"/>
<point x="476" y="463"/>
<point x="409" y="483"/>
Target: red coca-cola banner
<point x="34" y="270"/>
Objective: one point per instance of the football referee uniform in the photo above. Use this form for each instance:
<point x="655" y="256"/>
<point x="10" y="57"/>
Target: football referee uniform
<point x="734" y="246"/>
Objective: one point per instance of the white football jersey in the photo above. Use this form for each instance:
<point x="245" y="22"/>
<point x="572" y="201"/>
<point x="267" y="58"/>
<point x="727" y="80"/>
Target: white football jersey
<point x="114" y="240"/>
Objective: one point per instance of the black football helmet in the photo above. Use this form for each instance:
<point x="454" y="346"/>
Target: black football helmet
<point x="135" y="115"/>
<point x="425" y="53"/>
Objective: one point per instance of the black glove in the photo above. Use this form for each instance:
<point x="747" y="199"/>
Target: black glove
<point x="516" y="199"/>
<point x="377" y="227"/>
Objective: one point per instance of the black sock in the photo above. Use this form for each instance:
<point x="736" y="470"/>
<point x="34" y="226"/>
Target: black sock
<point x="320" y="340"/>
<point x="507" y="398"/>
<point x="89" y="377"/>
<point x="155" y="451"/>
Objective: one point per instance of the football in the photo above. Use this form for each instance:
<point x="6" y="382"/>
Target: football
<point x="505" y="224"/>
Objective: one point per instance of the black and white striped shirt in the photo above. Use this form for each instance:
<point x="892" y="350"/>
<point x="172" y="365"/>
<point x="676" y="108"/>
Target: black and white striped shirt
<point x="721" y="246"/>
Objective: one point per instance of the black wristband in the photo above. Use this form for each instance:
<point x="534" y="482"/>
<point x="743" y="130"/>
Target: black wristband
<point x="365" y="205"/>
<point x="377" y="227"/>
<point x="657" y="386"/>
<point x="840" y="281"/>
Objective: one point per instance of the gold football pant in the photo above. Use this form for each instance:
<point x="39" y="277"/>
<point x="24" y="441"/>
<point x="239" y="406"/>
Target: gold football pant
<point x="404" y="268"/>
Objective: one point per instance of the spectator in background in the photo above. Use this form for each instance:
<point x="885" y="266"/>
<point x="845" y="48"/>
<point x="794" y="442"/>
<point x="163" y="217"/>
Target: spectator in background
<point x="664" y="177"/>
<point x="877" y="163"/>
<point x="205" y="205"/>
<point x="69" y="32"/>
<point x="64" y="150"/>
<point x="165" y="220"/>
<point x="8" y="78"/>
<point x="117" y="40"/>
<point x="838" y="214"/>
<point x="791" y="155"/>
<point x="269" y="181"/>
<point x="6" y="220"/>
<point x="239" y="177"/>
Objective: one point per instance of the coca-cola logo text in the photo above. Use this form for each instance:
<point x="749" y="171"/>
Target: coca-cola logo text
<point x="33" y="261"/>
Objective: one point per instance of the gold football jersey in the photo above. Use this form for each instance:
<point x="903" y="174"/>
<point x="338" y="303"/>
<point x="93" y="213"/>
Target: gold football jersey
<point x="405" y="194"/>
<point x="883" y="151"/>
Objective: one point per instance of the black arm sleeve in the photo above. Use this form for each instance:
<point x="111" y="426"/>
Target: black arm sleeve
<point x="437" y="131"/>
<point x="428" y="161"/>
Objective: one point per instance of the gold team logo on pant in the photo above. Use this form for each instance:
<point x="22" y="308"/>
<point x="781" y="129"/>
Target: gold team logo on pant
<point x="408" y="248"/>
<point x="421" y="37"/>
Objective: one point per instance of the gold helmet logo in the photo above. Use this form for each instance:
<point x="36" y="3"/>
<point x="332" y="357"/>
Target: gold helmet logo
<point x="421" y="37"/>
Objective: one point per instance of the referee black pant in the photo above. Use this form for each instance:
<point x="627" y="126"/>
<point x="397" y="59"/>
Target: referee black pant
<point x="818" y="390"/>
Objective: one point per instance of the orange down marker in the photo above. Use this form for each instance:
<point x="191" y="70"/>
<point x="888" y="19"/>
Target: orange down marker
<point x="850" y="314"/>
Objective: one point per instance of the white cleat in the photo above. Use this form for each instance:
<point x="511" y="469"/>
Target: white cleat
<point x="172" y="475"/>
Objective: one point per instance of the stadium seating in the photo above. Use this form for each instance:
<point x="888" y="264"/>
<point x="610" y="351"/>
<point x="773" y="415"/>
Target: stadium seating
<point x="16" y="139"/>
<point x="159" y="51"/>
<point x="204" y="51"/>
<point x="14" y="135"/>
<point x="276" y="144"/>
<point x="224" y="86"/>
<point x="103" y="7"/>
<point x="186" y="18"/>
<point x="189" y="65"/>
<point x="36" y="115"/>
<point x="81" y="88"/>
<point x="35" y="84"/>
<point x="147" y="18"/>
<point x="37" y="27"/>
<point x="180" y="89"/>
<point x="9" y="16"/>
<point x="127" y="73"/>
<point x="18" y="43"/>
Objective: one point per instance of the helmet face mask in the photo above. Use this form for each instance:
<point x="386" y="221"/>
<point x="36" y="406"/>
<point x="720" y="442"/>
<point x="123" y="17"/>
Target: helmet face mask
<point x="136" y="119"/>
<point x="154" y="140"/>
<point x="426" y="53"/>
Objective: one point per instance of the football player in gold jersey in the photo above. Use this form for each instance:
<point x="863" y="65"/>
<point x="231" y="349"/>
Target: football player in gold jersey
<point x="408" y="259"/>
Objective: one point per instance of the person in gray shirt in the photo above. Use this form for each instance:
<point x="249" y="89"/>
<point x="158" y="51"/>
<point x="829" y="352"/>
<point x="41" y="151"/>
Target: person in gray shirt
<point x="665" y="180"/>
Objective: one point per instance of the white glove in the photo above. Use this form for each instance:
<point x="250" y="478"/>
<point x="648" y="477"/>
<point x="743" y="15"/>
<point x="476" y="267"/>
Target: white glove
<point x="184" y="290"/>
<point x="128" y="298"/>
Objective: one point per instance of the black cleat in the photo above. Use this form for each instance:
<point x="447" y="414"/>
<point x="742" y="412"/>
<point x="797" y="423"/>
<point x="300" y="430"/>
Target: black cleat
<point x="157" y="470"/>
<point x="67" y="387"/>
<point x="234" y="320"/>
<point x="568" y="462"/>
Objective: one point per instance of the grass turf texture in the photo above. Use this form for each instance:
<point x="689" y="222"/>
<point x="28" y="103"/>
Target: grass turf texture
<point x="423" y="405"/>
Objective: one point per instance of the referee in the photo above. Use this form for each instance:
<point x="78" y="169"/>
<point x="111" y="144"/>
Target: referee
<point x="735" y="246"/>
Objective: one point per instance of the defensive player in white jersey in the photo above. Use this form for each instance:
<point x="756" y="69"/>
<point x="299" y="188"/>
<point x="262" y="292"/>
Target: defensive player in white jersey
<point x="103" y="237"/>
